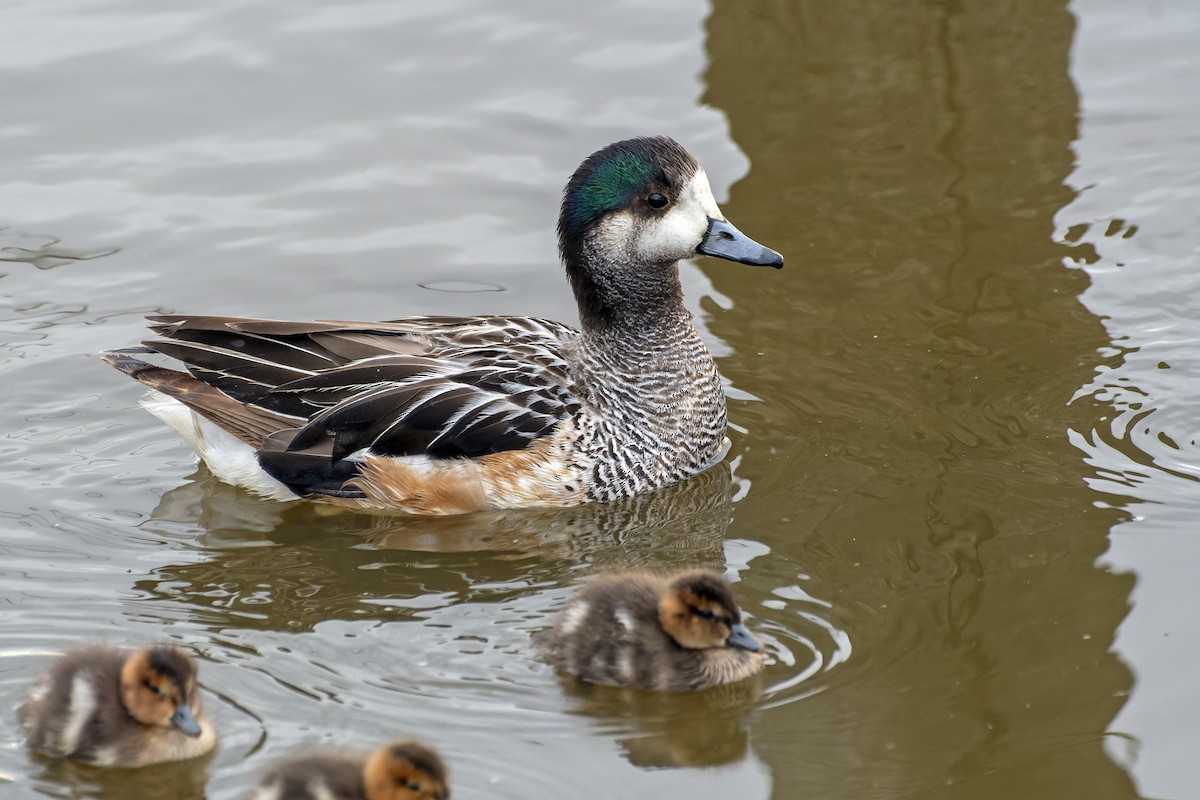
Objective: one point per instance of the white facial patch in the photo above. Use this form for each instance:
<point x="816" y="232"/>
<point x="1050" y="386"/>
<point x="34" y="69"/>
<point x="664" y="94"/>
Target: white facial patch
<point x="701" y="193"/>
<point x="677" y="233"/>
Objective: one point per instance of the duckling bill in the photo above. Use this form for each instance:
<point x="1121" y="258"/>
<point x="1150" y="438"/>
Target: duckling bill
<point x="446" y="415"/>
<point x="115" y="708"/>
<point x="672" y="633"/>
<point x="396" y="771"/>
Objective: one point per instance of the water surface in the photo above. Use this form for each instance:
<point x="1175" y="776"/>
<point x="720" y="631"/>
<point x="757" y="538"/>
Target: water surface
<point x="962" y="447"/>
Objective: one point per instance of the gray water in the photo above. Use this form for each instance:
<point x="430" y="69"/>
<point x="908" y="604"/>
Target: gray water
<point x="961" y="502"/>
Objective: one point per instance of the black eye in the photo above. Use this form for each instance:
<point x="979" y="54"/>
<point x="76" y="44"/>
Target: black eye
<point x="151" y="687"/>
<point x="705" y="613"/>
<point x="657" y="200"/>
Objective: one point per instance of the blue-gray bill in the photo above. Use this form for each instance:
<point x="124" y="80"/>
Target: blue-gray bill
<point x="185" y="721"/>
<point x="722" y="240"/>
<point x="740" y="637"/>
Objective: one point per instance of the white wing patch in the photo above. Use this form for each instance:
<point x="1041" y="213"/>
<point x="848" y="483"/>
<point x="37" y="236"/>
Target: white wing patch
<point x="105" y="757"/>
<point x="319" y="789"/>
<point x="38" y="693"/>
<point x="625" y="665"/>
<point x="625" y="619"/>
<point x="271" y="791"/>
<point x="79" y="711"/>
<point x="572" y="618"/>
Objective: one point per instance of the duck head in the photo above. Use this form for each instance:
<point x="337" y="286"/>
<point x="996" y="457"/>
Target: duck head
<point x="158" y="687"/>
<point x="406" y="771"/>
<point x="698" y="611"/>
<point x="629" y="214"/>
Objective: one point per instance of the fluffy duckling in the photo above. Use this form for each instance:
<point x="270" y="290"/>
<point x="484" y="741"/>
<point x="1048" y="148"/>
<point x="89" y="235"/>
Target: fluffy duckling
<point x="116" y="708"/>
<point x="674" y="633"/>
<point x="396" y="771"/>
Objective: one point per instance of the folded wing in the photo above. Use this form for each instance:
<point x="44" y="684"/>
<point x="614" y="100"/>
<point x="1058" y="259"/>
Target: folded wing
<point x="434" y="387"/>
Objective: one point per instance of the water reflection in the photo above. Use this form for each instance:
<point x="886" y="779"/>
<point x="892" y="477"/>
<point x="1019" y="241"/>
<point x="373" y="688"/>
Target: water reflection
<point x="43" y="252"/>
<point x="428" y="618"/>
<point x="657" y="729"/>
<point x="286" y="565"/>
<point x="180" y="780"/>
<point x="917" y="363"/>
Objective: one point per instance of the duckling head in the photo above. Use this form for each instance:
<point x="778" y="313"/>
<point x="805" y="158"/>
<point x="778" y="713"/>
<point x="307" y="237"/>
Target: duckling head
<point x="158" y="687"/>
<point x="634" y="209"/>
<point x="406" y="771"/>
<point x="698" y="611"/>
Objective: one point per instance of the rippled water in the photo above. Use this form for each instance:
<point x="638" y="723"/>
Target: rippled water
<point x="961" y="497"/>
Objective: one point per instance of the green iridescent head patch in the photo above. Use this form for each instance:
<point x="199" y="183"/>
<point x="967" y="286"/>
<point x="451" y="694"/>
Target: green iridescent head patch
<point x="612" y="183"/>
<point x="612" y="177"/>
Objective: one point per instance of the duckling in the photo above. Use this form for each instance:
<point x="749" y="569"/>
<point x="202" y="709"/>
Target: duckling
<point x="672" y="633"/>
<point x="116" y="708"/>
<point x="446" y="415"/>
<point x="396" y="771"/>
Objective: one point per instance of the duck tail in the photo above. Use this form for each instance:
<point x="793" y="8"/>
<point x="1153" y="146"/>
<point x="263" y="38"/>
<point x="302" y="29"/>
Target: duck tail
<point x="252" y="424"/>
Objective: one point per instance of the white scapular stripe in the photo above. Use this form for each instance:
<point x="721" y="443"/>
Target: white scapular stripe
<point x="572" y="618"/>
<point x="79" y="711"/>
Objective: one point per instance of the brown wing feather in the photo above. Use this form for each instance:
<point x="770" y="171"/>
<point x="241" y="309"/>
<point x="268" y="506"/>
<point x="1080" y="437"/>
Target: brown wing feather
<point x="444" y="387"/>
<point x="249" y="423"/>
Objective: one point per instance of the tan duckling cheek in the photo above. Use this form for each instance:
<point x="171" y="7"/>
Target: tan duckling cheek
<point x="405" y="771"/>
<point x="142" y="692"/>
<point x="393" y="779"/>
<point x="679" y="617"/>
<point x="707" y="632"/>
<point x="404" y="787"/>
<point x="147" y="701"/>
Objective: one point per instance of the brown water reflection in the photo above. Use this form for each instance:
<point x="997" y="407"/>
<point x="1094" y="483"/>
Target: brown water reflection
<point x="916" y="365"/>
<point x="706" y="729"/>
<point x="911" y="529"/>
<point x="179" y="781"/>
<point x="290" y="566"/>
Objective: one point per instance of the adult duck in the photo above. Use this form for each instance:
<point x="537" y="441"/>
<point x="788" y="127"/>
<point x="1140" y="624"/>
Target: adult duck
<point x="443" y="415"/>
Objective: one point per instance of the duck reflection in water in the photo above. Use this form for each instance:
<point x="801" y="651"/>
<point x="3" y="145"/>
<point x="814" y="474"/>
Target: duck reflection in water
<point x="318" y="563"/>
<point x="706" y="728"/>
<point x="691" y="516"/>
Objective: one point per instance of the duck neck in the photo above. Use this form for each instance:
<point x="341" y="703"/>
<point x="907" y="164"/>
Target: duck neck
<point x="654" y="400"/>
<point x="630" y="306"/>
